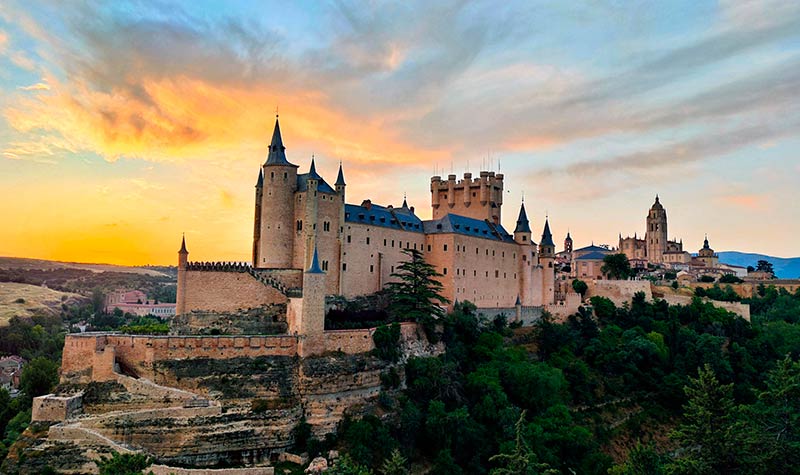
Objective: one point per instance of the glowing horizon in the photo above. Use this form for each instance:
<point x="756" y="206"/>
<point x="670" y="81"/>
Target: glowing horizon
<point x="124" y="125"/>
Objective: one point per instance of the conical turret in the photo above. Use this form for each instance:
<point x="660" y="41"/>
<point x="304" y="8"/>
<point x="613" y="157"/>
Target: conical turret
<point x="523" y="226"/>
<point x="277" y="152"/>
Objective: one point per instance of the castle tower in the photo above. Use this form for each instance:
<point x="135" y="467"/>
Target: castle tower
<point x="480" y="198"/>
<point x="183" y="264"/>
<point x="311" y="326"/>
<point x="547" y="254"/>
<point x="340" y="186"/>
<point x="257" y="219"/>
<point x="310" y="216"/>
<point x="522" y="233"/>
<point x="656" y="235"/>
<point x="276" y="236"/>
<point x="568" y="242"/>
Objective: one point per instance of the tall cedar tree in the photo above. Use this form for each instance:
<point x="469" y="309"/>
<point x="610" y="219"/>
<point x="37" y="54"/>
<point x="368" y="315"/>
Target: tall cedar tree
<point x="616" y="266"/>
<point x="417" y="295"/>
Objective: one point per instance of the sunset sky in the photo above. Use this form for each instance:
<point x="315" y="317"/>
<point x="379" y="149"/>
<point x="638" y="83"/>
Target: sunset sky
<point x="124" y="124"/>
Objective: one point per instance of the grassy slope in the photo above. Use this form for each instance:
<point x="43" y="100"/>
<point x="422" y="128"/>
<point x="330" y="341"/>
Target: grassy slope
<point x="25" y="263"/>
<point x="37" y="299"/>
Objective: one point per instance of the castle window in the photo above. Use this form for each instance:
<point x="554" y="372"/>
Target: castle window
<point x="445" y="271"/>
<point x="496" y="274"/>
<point x="392" y="268"/>
<point x="271" y="175"/>
<point x="492" y="252"/>
<point x="326" y="226"/>
<point x="474" y="194"/>
<point x="285" y="176"/>
<point x="344" y="266"/>
<point x="549" y="264"/>
<point x="299" y="225"/>
<point x="392" y="242"/>
<point x="400" y="244"/>
<point x="371" y="268"/>
<point x="524" y="238"/>
<point x="429" y="248"/>
<point x="445" y="247"/>
<point x="476" y="250"/>
<point x="367" y="239"/>
<point x="487" y="251"/>
<point x="324" y="265"/>
<point x="349" y="238"/>
<point x="515" y="255"/>
<point x="487" y="273"/>
<point x="384" y="243"/>
<point x="504" y="253"/>
<point x="474" y="273"/>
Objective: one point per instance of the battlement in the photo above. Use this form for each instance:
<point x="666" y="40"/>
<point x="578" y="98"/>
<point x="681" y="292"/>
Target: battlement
<point x="478" y="198"/>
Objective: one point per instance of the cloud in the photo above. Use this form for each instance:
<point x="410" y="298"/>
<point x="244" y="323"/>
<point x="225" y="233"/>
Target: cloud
<point x="3" y="41"/>
<point x="39" y="86"/>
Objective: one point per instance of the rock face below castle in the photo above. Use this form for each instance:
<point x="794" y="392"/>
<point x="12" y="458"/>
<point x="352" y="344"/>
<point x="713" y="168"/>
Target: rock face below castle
<point x="201" y="401"/>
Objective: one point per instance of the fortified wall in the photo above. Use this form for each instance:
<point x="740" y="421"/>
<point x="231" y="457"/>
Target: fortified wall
<point x="618" y="291"/>
<point x="748" y="289"/>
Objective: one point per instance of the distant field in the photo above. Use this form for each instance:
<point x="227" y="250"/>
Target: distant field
<point x="25" y="263"/>
<point x="37" y="300"/>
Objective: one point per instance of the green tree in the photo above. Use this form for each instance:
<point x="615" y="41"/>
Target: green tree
<point x="642" y="460"/>
<point x="522" y="460"/>
<point x="765" y="266"/>
<point x="38" y="377"/>
<point x="417" y="294"/>
<point x="396" y="464"/>
<point x="778" y="412"/>
<point x="346" y="466"/>
<point x="123" y="464"/>
<point x="580" y="287"/>
<point x="730" y="279"/>
<point x="387" y="341"/>
<point x="616" y="266"/>
<point x="712" y="439"/>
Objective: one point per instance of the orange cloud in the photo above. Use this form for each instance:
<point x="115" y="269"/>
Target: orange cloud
<point x="184" y="118"/>
<point x="749" y="201"/>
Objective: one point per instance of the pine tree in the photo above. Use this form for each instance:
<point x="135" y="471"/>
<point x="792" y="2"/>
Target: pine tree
<point x="396" y="464"/>
<point x="417" y="295"/>
<point x="522" y="461"/>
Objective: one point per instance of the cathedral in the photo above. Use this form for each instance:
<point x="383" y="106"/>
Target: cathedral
<point x="303" y="225"/>
<point x="655" y="248"/>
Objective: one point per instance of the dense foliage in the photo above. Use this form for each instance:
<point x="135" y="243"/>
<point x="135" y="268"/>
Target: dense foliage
<point x="700" y="389"/>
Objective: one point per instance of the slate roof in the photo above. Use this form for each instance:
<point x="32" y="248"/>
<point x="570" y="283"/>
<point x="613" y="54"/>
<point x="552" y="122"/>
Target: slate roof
<point x="452" y="223"/>
<point x="593" y="248"/>
<point x="277" y="152"/>
<point x="376" y="215"/>
<point x="547" y="236"/>
<point x="322" y="185"/>
<point x="522" y="221"/>
<point x="592" y="256"/>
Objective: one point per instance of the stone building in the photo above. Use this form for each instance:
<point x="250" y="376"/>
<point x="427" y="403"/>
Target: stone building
<point x="707" y="255"/>
<point x="303" y="224"/>
<point x="656" y="247"/>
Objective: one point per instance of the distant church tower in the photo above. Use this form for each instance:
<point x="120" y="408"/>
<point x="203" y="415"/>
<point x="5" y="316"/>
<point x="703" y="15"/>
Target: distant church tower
<point x="568" y="243"/>
<point x="656" y="236"/>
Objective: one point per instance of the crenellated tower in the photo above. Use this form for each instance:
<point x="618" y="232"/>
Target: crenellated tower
<point x="480" y="198"/>
<point x="275" y="238"/>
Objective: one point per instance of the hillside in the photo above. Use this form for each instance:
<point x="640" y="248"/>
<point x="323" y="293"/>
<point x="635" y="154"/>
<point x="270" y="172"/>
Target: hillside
<point x="25" y="263"/>
<point x="785" y="267"/>
<point x="26" y="300"/>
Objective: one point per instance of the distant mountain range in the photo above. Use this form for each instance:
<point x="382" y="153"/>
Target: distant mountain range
<point x="785" y="267"/>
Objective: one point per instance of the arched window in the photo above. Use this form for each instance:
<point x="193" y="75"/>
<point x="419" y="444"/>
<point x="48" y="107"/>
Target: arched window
<point x="299" y="224"/>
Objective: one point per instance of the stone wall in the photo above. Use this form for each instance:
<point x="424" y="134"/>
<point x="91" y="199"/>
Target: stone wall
<point x="220" y="291"/>
<point x="264" y="320"/>
<point x="53" y="408"/>
<point x="618" y="291"/>
<point x="748" y="289"/>
<point x="743" y="310"/>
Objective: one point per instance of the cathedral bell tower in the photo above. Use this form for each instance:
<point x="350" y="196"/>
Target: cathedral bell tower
<point x="656" y="235"/>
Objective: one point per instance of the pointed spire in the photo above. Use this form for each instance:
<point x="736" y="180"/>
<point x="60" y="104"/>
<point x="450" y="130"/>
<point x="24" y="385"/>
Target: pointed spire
<point x="340" y="177"/>
<point x="315" y="268"/>
<point x="405" y="203"/>
<point x="547" y="236"/>
<point x="183" y="245"/>
<point x="277" y="152"/>
<point x="312" y="172"/>
<point x="569" y="238"/>
<point x="523" y="226"/>
<point x="705" y="242"/>
<point x="260" y="182"/>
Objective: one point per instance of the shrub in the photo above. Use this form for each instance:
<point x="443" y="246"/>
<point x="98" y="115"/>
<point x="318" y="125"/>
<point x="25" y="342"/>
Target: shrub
<point x="706" y="278"/>
<point x="387" y="341"/>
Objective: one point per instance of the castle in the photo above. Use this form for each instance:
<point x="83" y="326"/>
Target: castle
<point x="309" y="243"/>
<point x="656" y="247"/>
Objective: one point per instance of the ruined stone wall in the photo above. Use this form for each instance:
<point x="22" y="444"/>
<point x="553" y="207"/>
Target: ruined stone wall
<point x="53" y="408"/>
<point x="227" y="291"/>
